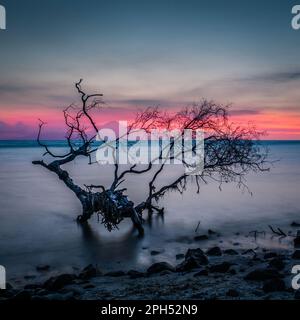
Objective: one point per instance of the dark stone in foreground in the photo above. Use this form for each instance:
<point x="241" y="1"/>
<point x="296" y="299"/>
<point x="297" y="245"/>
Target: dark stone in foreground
<point x="221" y="267"/>
<point x="56" y="283"/>
<point x="232" y="293"/>
<point x="231" y="252"/>
<point x="42" y="267"/>
<point x="270" y="255"/>
<point x="277" y="263"/>
<point x="297" y="240"/>
<point x="215" y="251"/>
<point x="262" y="274"/>
<point x="159" y="267"/>
<point x="115" y="274"/>
<point x="296" y="255"/>
<point x="203" y="272"/>
<point x="179" y="256"/>
<point x="295" y="224"/>
<point x="274" y="285"/>
<point x="89" y="271"/>
<point x="154" y="252"/>
<point x="194" y="258"/>
<point x="211" y="232"/>
<point x="134" y="274"/>
<point x="32" y="286"/>
<point x="201" y="237"/>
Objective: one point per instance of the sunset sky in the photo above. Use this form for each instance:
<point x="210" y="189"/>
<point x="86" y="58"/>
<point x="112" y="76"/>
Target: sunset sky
<point x="140" y="53"/>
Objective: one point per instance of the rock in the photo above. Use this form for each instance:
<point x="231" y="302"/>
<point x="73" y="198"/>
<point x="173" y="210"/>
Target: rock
<point x="236" y="243"/>
<point x="56" y="283"/>
<point x="134" y="274"/>
<point x="261" y="274"/>
<point x="231" y="252"/>
<point x="29" y="277"/>
<point x="221" y="267"/>
<point x="297" y="240"/>
<point x="232" y="271"/>
<point x="197" y="254"/>
<point x="42" y="267"/>
<point x="159" y="267"/>
<point x="270" y="255"/>
<point x="201" y="237"/>
<point x="32" y="286"/>
<point x="115" y="274"/>
<point x="296" y="255"/>
<point x="88" y="286"/>
<point x="211" y="232"/>
<point x="58" y="297"/>
<point x="165" y="272"/>
<point x="154" y="252"/>
<point x="75" y="289"/>
<point x="273" y="285"/>
<point x="179" y="256"/>
<point x="232" y="293"/>
<point x="277" y="263"/>
<point x="295" y="224"/>
<point x="202" y="272"/>
<point x="89" y="271"/>
<point x="215" y="251"/>
<point x="194" y="258"/>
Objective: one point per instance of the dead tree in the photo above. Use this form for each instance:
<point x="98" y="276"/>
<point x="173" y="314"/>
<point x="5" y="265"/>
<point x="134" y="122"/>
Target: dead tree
<point x="230" y="153"/>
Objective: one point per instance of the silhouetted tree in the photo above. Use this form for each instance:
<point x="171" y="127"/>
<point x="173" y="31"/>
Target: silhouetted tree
<point x="230" y="153"/>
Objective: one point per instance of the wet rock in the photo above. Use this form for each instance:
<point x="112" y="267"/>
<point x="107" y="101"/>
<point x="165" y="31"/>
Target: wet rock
<point x="89" y="271"/>
<point x="277" y="263"/>
<point x="221" y="267"/>
<point x="155" y="252"/>
<point x="297" y="240"/>
<point x="295" y="224"/>
<point x="74" y="289"/>
<point x="231" y="252"/>
<point x="262" y="274"/>
<point x="179" y="256"/>
<point x="194" y="258"/>
<point x="202" y="272"/>
<point x="33" y="286"/>
<point x="296" y="255"/>
<point x="29" y="277"/>
<point x="56" y="283"/>
<point x="270" y="255"/>
<point x="236" y="243"/>
<point x="165" y="272"/>
<point x="88" y="286"/>
<point x="201" y="237"/>
<point x="134" y="274"/>
<point x="274" y="285"/>
<point x="159" y="267"/>
<point x="58" y="297"/>
<point x="42" y="267"/>
<point x="232" y="293"/>
<point x="232" y="271"/>
<point x="115" y="273"/>
<point x="215" y="251"/>
<point x="211" y="232"/>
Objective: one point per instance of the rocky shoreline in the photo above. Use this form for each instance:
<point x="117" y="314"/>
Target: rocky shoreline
<point x="216" y="273"/>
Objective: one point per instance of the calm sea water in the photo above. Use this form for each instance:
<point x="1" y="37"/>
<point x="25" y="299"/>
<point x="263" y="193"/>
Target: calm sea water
<point x="37" y="215"/>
